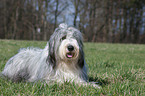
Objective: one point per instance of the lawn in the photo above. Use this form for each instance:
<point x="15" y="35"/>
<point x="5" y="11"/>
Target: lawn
<point x="118" y="68"/>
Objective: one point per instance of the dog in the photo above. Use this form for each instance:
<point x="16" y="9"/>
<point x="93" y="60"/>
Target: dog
<point x="61" y="60"/>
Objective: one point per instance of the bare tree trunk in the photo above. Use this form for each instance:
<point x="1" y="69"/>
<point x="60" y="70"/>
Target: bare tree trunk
<point x="94" y="35"/>
<point x="115" y="24"/>
<point x="5" y="21"/>
<point x="131" y="21"/>
<point x="15" y="23"/>
<point x="137" y="25"/>
<point x="110" y="31"/>
<point x="56" y="13"/>
<point x="120" y="26"/>
<point x="76" y="4"/>
<point x="34" y="20"/>
<point x="45" y="21"/>
<point x="124" y="33"/>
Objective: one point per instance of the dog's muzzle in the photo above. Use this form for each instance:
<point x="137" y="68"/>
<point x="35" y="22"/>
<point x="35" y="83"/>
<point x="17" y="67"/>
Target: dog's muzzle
<point x="70" y="51"/>
<point x="70" y="48"/>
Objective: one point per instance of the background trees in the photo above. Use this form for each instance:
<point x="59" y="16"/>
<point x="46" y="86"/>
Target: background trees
<point x="100" y="21"/>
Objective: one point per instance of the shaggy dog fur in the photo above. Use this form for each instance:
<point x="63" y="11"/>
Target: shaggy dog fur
<point x="61" y="60"/>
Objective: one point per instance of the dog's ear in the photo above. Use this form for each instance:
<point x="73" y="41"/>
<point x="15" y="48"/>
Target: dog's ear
<point x="51" y="52"/>
<point x="81" y="59"/>
<point x="52" y="55"/>
<point x="81" y="63"/>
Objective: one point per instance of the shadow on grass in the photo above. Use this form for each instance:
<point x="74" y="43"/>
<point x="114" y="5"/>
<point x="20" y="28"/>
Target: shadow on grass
<point x="99" y="81"/>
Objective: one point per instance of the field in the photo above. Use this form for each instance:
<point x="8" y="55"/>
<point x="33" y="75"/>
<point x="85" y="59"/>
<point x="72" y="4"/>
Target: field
<point x="118" y="68"/>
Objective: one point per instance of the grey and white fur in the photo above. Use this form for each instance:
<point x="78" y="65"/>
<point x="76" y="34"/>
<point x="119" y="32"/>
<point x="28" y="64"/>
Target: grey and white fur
<point x="61" y="60"/>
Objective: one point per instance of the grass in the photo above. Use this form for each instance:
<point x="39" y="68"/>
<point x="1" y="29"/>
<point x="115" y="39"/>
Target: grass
<point x="118" y="68"/>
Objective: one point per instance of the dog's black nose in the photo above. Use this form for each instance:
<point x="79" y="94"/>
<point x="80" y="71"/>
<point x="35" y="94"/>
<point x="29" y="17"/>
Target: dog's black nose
<point x="70" y="48"/>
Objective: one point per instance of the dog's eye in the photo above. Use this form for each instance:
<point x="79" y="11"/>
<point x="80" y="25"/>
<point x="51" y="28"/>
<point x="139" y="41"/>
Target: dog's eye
<point x="64" y="37"/>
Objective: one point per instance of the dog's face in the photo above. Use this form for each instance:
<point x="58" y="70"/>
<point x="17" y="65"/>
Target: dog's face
<point x="66" y="45"/>
<point x="69" y="47"/>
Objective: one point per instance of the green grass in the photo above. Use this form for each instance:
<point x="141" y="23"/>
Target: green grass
<point x="118" y="68"/>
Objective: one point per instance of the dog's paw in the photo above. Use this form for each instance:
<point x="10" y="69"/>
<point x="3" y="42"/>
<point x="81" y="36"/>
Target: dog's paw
<point x="94" y="85"/>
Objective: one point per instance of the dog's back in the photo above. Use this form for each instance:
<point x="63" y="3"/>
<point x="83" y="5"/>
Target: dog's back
<point x="18" y="67"/>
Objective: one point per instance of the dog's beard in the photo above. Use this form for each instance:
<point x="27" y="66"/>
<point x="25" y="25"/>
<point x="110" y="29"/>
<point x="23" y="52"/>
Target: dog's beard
<point x="69" y="50"/>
